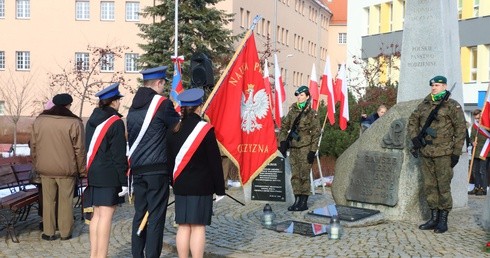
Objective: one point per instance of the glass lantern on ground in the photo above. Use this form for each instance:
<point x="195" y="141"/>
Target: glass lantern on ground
<point x="335" y="228"/>
<point x="268" y="216"/>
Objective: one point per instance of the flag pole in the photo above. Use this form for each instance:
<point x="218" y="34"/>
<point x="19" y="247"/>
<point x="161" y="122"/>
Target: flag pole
<point x="472" y="156"/>
<point x="176" y="30"/>
<point x="232" y="61"/>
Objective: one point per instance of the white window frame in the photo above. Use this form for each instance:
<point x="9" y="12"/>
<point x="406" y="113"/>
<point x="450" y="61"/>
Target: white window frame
<point x="131" y="62"/>
<point x="107" y="63"/>
<point x="488" y="52"/>
<point x="132" y="11"/>
<point x="474" y="64"/>
<point x="2" y="107"/>
<point x="82" y="10"/>
<point x="23" y="60"/>
<point x="2" y="60"/>
<point x="82" y="61"/>
<point x="22" y="9"/>
<point x="476" y="8"/>
<point x="2" y="8"/>
<point x="342" y="38"/>
<point x="107" y="11"/>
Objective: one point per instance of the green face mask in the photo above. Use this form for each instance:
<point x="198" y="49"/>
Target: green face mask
<point x="302" y="105"/>
<point x="438" y="96"/>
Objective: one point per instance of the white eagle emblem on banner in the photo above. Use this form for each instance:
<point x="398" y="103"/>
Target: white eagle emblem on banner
<point x="254" y="107"/>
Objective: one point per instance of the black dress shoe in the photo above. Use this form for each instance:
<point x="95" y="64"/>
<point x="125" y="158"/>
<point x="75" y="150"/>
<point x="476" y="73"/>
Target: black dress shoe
<point x="66" y="238"/>
<point x="48" y="238"/>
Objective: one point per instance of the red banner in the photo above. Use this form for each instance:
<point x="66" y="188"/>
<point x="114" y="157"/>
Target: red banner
<point x="240" y="112"/>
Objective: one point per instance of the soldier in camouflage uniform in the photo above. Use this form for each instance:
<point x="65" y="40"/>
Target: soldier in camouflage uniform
<point x="302" y="145"/>
<point x="440" y="150"/>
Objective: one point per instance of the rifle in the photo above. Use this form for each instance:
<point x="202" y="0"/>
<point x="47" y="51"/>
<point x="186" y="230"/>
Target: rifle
<point x="293" y="133"/>
<point x="425" y="129"/>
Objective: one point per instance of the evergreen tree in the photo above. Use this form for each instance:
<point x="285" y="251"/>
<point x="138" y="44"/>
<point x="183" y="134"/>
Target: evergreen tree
<point x="202" y="28"/>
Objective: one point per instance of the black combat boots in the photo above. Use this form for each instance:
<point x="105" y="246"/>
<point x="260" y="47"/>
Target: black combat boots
<point x="302" y="203"/>
<point x="293" y="207"/>
<point x="442" y="225"/>
<point x="432" y="222"/>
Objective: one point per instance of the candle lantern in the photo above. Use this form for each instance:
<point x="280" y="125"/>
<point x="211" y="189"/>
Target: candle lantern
<point x="335" y="230"/>
<point x="268" y="216"/>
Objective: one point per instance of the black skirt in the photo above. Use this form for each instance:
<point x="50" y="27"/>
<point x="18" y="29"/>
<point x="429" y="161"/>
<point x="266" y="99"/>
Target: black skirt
<point x="103" y="196"/>
<point x="193" y="209"/>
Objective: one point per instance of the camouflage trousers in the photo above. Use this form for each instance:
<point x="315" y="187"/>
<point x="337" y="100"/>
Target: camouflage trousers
<point x="300" y="170"/>
<point x="437" y="175"/>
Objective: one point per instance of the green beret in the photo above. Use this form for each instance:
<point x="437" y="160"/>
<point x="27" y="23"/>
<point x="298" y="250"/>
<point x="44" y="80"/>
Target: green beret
<point x="438" y="79"/>
<point x="301" y="90"/>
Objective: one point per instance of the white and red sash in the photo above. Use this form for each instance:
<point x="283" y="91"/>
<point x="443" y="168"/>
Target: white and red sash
<point x="486" y="146"/>
<point x="190" y="146"/>
<point x="152" y="110"/>
<point x="99" y="133"/>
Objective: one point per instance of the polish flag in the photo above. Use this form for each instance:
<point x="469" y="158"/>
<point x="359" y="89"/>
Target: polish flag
<point x="313" y="87"/>
<point x="485" y="113"/>
<point x="341" y="83"/>
<point x="327" y="89"/>
<point x="267" y="83"/>
<point x="280" y="95"/>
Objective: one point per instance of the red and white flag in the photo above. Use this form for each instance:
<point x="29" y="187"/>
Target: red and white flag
<point x="280" y="95"/>
<point x="313" y="87"/>
<point x="341" y="83"/>
<point x="267" y="84"/>
<point x="238" y="108"/>
<point x="327" y="89"/>
<point x="485" y="113"/>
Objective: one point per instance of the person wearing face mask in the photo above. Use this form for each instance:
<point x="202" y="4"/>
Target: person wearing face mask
<point x="300" y="133"/>
<point x="107" y="166"/>
<point x="439" y="150"/>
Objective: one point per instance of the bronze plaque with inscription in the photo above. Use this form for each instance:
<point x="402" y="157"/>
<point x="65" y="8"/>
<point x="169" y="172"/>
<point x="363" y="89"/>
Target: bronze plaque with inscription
<point x="375" y="178"/>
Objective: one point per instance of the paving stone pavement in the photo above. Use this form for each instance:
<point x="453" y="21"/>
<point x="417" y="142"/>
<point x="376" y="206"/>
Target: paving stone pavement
<point x="236" y="232"/>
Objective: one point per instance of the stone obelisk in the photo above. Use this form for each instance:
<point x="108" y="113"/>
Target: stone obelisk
<point x="430" y="47"/>
<point x="378" y="170"/>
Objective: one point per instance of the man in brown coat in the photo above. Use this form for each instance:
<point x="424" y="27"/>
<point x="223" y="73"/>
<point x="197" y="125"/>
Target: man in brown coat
<point x="58" y="154"/>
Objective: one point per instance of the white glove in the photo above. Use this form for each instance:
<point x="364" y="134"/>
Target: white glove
<point x="123" y="192"/>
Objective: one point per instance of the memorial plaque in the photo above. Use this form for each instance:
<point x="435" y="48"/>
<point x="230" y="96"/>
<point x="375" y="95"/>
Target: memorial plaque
<point x="302" y="228"/>
<point x="346" y="213"/>
<point x="270" y="184"/>
<point x="375" y="178"/>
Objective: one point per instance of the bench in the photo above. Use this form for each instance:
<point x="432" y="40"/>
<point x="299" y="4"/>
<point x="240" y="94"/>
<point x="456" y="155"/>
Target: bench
<point x="15" y="206"/>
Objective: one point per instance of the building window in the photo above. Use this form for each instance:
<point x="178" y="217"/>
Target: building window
<point x="488" y="52"/>
<point x="476" y="8"/>
<point x="342" y="38"/>
<point x="242" y="18"/>
<point x="2" y="8"/>
<point x="82" y="10"/>
<point x="82" y="62"/>
<point x="23" y="60"/>
<point x="366" y="11"/>
<point x="107" y="63"/>
<point x="473" y="64"/>
<point x="23" y="9"/>
<point x="2" y="107"/>
<point x="132" y="11"/>
<point x="131" y="62"/>
<point x="2" y="60"/>
<point x="107" y="11"/>
<point x="460" y="9"/>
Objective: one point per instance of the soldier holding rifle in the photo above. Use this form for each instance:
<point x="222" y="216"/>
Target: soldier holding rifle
<point x="302" y="141"/>
<point x="437" y="129"/>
